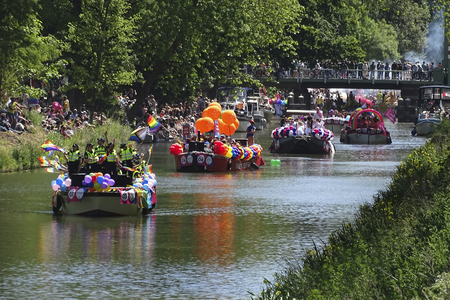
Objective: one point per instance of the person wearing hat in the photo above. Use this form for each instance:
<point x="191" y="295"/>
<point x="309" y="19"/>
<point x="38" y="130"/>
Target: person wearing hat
<point x="73" y="158"/>
<point x="90" y="159"/>
<point x="250" y="132"/>
<point x="126" y="156"/>
<point x="111" y="160"/>
<point x="100" y="150"/>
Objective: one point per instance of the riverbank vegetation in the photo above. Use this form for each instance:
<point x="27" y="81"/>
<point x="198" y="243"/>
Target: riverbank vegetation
<point x="21" y="152"/>
<point x="397" y="246"/>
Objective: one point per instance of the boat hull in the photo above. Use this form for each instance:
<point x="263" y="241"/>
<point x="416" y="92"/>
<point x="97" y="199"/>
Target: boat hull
<point x="301" y="145"/>
<point x="334" y="124"/>
<point x="190" y="162"/>
<point x="97" y="204"/>
<point x="426" y="127"/>
<point x="364" y="138"/>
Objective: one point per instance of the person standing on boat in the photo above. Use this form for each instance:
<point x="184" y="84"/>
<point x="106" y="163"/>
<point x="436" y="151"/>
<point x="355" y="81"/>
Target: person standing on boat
<point x="111" y="160"/>
<point x="90" y="159"/>
<point x="100" y="150"/>
<point x="250" y="132"/>
<point x="73" y="158"/>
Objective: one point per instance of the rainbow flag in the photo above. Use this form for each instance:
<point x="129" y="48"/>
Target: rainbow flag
<point x="138" y="135"/>
<point x="148" y="169"/>
<point x="44" y="162"/>
<point x="102" y="159"/>
<point x="129" y="169"/>
<point x="50" y="170"/>
<point x="48" y="146"/>
<point x="150" y="150"/>
<point x="153" y="124"/>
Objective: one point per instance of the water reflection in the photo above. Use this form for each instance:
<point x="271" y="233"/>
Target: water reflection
<point x="212" y="236"/>
<point x="100" y="240"/>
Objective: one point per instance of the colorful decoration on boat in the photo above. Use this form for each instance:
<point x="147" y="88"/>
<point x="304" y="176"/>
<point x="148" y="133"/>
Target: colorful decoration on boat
<point x="176" y="149"/>
<point x="322" y="134"/>
<point x="234" y="152"/>
<point x="289" y="131"/>
<point x="61" y="183"/>
<point x="354" y="116"/>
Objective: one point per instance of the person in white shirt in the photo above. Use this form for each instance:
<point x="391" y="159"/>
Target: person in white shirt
<point x="318" y="114"/>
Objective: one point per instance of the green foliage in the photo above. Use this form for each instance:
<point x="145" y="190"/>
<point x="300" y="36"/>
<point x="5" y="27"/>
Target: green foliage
<point x="100" y="54"/>
<point x="23" y="50"/>
<point x="396" y="247"/>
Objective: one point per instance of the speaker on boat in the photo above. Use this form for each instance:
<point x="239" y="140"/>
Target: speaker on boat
<point x="196" y="146"/>
<point x="77" y="178"/>
<point x="122" y="180"/>
<point x="254" y="166"/>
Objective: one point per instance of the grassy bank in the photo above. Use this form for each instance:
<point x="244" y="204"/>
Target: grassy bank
<point x="21" y="152"/>
<point x="397" y="247"/>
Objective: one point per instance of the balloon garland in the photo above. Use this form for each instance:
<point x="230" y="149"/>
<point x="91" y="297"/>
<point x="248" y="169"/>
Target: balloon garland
<point x="289" y="131"/>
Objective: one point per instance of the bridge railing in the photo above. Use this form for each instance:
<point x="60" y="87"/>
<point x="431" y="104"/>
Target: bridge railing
<point x="355" y="74"/>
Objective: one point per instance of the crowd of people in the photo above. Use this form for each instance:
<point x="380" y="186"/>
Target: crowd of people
<point x="379" y="70"/>
<point x="104" y="158"/>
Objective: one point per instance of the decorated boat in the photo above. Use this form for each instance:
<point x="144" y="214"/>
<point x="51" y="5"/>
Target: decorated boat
<point x="96" y="194"/>
<point x="335" y="124"/>
<point x="222" y="158"/>
<point x="288" y="140"/>
<point x="370" y="132"/>
<point x="433" y="102"/>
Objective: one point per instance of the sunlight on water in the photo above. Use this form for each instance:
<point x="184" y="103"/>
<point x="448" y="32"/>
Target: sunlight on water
<point x="212" y="236"/>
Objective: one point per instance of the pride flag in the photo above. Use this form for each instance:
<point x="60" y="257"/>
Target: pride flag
<point x="48" y="146"/>
<point x="153" y="124"/>
<point x="150" y="150"/>
<point x="129" y="169"/>
<point x="139" y="135"/>
<point x="148" y="169"/>
<point x="102" y="159"/>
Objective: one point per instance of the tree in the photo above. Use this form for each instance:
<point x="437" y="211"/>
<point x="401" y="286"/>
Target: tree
<point x="23" y="50"/>
<point x="100" y="49"/>
<point x="181" y="44"/>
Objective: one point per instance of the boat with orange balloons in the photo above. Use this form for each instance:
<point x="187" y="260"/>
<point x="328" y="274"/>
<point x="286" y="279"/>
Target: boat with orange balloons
<point x="195" y="156"/>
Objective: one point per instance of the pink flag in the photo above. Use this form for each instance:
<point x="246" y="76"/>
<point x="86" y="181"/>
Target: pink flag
<point x="390" y="114"/>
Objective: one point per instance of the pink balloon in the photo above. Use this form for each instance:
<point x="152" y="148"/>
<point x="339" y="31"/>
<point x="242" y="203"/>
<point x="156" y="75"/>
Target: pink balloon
<point x="55" y="187"/>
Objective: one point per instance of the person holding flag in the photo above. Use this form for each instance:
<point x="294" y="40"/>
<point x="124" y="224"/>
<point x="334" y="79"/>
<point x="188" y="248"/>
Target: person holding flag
<point x="111" y="159"/>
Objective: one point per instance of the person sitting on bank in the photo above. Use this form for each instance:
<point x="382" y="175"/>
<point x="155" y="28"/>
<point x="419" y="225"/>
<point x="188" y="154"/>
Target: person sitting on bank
<point x="250" y="132"/>
<point x="112" y="162"/>
<point x="90" y="159"/>
<point x="73" y="158"/>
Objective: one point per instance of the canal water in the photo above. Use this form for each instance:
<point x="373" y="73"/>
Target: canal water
<point x="211" y="236"/>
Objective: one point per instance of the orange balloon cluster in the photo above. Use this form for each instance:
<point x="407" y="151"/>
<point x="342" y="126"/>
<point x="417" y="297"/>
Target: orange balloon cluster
<point x="204" y="124"/>
<point x="229" y="122"/>
<point x="213" y="111"/>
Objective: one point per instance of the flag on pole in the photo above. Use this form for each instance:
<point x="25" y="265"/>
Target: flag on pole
<point x="129" y="169"/>
<point x="139" y="134"/>
<point x="153" y="124"/>
<point x="48" y="146"/>
<point x="390" y="114"/>
<point x="148" y="169"/>
<point x="150" y="150"/>
<point x="102" y="159"/>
